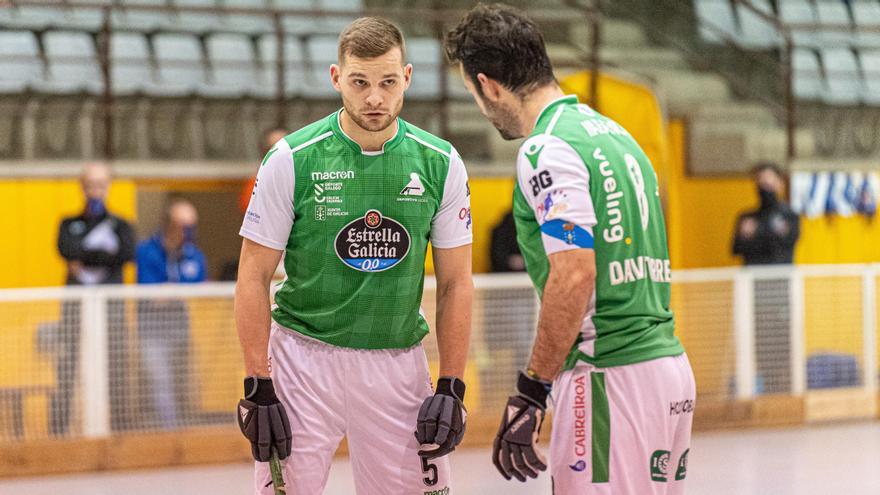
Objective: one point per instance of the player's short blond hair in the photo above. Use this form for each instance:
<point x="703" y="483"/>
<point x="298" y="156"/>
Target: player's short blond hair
<point x="370" y="37"/>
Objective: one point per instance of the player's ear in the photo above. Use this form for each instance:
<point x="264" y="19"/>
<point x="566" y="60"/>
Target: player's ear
<point x="407" y="76"/>
<point x="335" y="75"/>
<point x="491" y="89"/>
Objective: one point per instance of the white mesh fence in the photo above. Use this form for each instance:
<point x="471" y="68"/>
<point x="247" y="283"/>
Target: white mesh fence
<point x="82" y="362"/>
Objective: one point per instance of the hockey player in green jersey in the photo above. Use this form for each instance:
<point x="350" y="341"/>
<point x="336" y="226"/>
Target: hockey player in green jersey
<point x="590" y="227"/>
<point x="352" y="201"/>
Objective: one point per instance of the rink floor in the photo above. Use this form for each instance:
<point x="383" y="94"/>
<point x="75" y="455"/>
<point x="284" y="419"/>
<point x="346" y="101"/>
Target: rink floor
<point x="838" y="459"/>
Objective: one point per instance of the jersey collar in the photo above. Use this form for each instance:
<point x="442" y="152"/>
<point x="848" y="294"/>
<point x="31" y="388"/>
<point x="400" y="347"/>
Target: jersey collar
<point x="548" y="109"/>
<point x="336" y="127"/>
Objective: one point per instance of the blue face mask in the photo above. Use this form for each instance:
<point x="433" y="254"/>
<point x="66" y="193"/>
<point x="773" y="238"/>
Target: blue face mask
<point x="95" y="208"/>
<point x="189" y="234"/>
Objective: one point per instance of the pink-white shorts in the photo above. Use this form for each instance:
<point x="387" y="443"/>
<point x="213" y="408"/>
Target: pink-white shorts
<point x="371" y="396"/>
<point x="623" y="430"/>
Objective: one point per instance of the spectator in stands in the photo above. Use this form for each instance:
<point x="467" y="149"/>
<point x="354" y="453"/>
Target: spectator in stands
<point x="269" y="139"/>
<point x="767" y="235"/>
<point x="170" y="256"/>
<point x="230" y="269"/>
<point x="95" y="244"/>
<point x="505" y="250"/>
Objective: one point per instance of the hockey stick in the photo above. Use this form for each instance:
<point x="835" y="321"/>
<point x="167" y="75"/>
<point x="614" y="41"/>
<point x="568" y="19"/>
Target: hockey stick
<point x="277" y="476"/>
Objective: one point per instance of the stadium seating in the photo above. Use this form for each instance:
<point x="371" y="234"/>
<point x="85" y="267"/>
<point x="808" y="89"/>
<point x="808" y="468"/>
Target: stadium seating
<point x="755" y="31"/>
<point x="181" y="68"/>
<point x="196" y="21"/>
<point x="800" y="13"/>
<point x="866" y="14"/>
<point x="72" y="63"/>
<point x="233" y="71"/>
<point x="834" y="13"/>
<point x="129" y="18"/>
<point x="808" y="83"/>
<point x="247" y="23"/>
<point x="293" y="65"/>
<point x="320" y="54"/>
<point x="871" y="68"/>
<point x="426" y="58"/>
<point x="716" y="20"/>
<point x="20" y="65"/>
<point x="131" y="69"/>
<point x="844" y="84"/>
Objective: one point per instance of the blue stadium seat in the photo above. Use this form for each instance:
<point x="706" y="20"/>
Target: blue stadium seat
<point x="196" y="21"/>
<point x="72" y="63"/>
<point x="335" y="24"/>
<point x="842" y="76"/>
<point x="293" y="65"/>
<point x="131" y="70"/>
<point x="715" y="20"/>
<point x="834" y="13"/>
<point x="20" y="63"/>
<point x="757" y="32"/>
<point x="142" y="20"/>
<point x="295" y="24"/>
<point x="86" y="18"/>
<point x="246" y="23"/>
<point x="808" y="79"/>
<point x="31" y="17"/>
<point x="426" y="58"/>
<point x="233" y="71"/>
<point x="320" y="54"/>
<point x="871" y="69"/>
<point x="866" y="14"/>
<point x="800" y="12"/>
<point x="181" y="69"/>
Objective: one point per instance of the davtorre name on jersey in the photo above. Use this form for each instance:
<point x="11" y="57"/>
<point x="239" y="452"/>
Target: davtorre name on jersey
<point x="632" y="269"/>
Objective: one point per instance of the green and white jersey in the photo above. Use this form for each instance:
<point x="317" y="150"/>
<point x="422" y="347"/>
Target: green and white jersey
<point x="355" y="228"/>
<point x="584" y="182"/>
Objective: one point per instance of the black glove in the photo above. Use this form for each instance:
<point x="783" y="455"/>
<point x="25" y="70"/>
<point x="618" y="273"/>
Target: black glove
<point x="442" y="418"/>
<point x="262" y="419"/>
<point x="515" y="451"/>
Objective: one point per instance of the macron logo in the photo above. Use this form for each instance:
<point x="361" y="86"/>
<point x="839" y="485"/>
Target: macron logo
<point x="342" y="174"/>
<point x="243" y="412"/>
<point x="414" y="187"/>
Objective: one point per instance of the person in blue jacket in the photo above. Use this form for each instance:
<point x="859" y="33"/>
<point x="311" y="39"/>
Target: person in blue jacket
<point x="169" y="256"/>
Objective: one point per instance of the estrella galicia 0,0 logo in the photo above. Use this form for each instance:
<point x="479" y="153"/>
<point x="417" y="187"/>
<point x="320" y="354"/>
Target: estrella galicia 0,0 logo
<point x="372" y="243"/>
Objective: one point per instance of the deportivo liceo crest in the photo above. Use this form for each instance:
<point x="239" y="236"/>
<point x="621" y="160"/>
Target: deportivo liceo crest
<point x="372" y="243"/>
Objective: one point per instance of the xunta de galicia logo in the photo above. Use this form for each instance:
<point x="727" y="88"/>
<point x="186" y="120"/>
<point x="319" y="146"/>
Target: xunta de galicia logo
<point x="373" y="243"/>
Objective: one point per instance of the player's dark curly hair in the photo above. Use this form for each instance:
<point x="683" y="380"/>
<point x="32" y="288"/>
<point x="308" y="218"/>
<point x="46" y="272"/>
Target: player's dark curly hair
<point x="502" y="43"/>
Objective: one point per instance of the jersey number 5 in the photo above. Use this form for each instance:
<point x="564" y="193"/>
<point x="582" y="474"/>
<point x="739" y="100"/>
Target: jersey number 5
<point x="429" y="467"/>
<point x="638" y="180"/>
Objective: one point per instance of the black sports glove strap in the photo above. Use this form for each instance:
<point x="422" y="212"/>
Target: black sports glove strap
<point x="263" y="420"/>
<point x="515" y="451"/>
<point x="442" y="418"/>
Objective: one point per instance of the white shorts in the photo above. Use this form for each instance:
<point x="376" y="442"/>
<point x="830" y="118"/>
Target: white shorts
<point x="371" y="396"/>
<point x="623" y="430"/>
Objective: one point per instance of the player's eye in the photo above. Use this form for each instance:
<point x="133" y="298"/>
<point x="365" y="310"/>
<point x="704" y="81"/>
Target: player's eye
<point x="389" y="82"/>
<point x="360" y="83"/>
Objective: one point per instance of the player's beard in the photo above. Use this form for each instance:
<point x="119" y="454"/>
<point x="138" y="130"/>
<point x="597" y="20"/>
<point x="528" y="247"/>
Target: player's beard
<point x="504" y="119"/>
<point x="372" y="125"/>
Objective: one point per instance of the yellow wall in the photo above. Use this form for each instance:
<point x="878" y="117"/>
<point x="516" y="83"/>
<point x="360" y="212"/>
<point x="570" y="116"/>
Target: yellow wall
<point x="30" y="213"/>
<point x="701" y="213"/>
<point x="491" y="198"/>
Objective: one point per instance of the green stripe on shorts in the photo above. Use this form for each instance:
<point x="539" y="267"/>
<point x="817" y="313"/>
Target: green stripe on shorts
<point x="601" y="428"/>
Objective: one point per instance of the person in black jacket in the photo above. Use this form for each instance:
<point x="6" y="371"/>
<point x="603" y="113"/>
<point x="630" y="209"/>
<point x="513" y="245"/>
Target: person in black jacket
<point x="767" y="235"/>
<point x="96" y="245"/>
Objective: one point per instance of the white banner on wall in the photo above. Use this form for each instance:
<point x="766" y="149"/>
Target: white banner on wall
<point x="814" y="194"/>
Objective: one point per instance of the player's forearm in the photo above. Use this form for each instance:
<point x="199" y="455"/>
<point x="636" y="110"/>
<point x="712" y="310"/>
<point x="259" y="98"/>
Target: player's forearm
<point x="252" y="320"/>
<point x="454" y="301"/>
<point x="563" y="306"/>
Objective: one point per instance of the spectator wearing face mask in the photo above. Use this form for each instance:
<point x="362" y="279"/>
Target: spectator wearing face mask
<point x="768" y="234"/>
<point x="170" y="256"/>
<point x="95" y="245"/>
